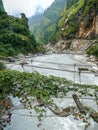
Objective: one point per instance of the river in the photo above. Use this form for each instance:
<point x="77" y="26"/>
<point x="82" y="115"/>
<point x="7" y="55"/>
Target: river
<point x="21" y="119"/>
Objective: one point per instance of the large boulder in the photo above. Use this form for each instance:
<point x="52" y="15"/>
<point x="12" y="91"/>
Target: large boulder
<point x="94" y="69"/>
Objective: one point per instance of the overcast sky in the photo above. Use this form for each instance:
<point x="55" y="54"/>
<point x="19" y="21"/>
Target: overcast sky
<point x="26" y="6"/>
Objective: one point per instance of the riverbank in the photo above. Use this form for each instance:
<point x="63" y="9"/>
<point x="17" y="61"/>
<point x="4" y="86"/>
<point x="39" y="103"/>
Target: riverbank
<point x="75" y="47"/>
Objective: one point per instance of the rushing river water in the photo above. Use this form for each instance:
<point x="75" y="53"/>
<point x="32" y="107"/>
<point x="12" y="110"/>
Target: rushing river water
<point x="21" y="119"/>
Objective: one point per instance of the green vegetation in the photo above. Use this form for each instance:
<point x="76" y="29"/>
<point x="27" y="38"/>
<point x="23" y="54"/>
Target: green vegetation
<point x="15" y="36"/>
<point x="93" y="50"/>
<point x="25" y="85"/>
<point x="37" y="85"/>
<point x="89" y="4"/>
<point x="70" y="19"/>
<point x="2" y="66"/>
<point x="70" y="3"/>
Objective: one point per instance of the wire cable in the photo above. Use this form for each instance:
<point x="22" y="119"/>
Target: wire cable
<point x="66" y="70"/>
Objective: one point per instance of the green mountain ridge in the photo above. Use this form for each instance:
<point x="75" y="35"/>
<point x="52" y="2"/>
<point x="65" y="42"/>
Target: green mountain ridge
<point x="36" y="19"/>
<point x="47" y="27"/>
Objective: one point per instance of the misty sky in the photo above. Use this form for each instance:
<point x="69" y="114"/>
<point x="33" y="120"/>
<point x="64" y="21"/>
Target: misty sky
<point x="26" y="6"/>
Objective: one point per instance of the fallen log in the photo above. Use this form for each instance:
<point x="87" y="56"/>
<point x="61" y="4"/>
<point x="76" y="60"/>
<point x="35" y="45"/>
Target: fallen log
<point x="79" y="104"/>
<point x="64" y="112"/>
<point x="61" y="113"/>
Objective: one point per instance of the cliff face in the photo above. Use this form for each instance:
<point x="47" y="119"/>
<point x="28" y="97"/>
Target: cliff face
<point x="87" y="27"/>
<point x="1" y="6"/>
<point x="80" y="21"/>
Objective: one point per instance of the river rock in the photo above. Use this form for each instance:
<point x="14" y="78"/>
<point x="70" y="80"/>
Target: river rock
<point x="49" y="48"/>
<point x="23" y="62"/>
<point x="80" y="45"/>
<point x="20" y="56"/>
<point x="61" y="46"/>
<point x="92" y="58"/>
<point x="94" y="69"/>
<point x="10" y="59"/>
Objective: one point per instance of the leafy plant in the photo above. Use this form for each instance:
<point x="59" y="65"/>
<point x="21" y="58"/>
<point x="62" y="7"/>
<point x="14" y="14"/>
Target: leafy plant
<point x="2" y="66"/>
<point x="93" y="50"/>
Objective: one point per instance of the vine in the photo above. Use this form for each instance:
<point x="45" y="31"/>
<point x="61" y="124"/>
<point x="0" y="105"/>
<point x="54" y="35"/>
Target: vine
<point x="34" y="86"/>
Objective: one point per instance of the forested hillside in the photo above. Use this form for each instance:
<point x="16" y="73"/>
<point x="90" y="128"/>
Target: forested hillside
<point x="15" y="36"/>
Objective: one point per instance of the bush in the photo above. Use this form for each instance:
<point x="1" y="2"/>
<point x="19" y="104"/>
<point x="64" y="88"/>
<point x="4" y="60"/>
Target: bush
<point x="93" y="50"/>
<point x="2" y="50"/>
<point x="2" y="66"/>
<point x="10" y="52"/>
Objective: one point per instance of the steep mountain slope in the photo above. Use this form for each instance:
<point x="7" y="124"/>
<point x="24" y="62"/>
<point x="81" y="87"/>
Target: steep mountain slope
<point x="68" y="19"/>
<point x="36" y="18"/>
<point x="1" y="5"/>
<point x="35" y="21"/>
<point x="79" y="21"/>
<point x="47" y="27"/>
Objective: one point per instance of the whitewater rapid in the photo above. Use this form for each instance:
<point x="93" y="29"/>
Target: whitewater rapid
<point x="21" y="119"/>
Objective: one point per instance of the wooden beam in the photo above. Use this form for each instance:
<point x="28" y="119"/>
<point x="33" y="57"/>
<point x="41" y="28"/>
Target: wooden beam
<point x="83" y="69"/>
